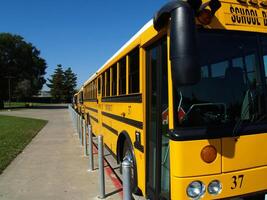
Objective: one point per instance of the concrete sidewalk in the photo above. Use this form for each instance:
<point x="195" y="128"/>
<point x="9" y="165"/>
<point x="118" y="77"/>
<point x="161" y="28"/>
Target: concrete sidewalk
<point x="52" y="166"/>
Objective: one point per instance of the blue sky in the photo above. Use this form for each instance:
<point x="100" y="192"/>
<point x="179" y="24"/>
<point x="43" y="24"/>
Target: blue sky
<point x="81" y="34"/>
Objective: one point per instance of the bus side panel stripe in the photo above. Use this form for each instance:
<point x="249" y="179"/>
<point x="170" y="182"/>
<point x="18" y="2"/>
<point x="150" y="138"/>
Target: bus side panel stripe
<point x="92" y="109"/>
<point x="132" y="98"/>
<point x="90" y="100"/>
<point x="110" y="128"/>
<point x="93" y="118"/>
<point x="125" y="120"/>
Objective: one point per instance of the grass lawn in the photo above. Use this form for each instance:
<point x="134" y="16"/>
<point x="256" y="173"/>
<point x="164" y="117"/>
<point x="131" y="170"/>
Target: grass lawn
<point x="14" y="104"/>
<point x="22" y="104"/>
<point x="15" y="134"/>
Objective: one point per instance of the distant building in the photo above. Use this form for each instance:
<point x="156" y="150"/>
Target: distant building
<point x="43" y="94"/>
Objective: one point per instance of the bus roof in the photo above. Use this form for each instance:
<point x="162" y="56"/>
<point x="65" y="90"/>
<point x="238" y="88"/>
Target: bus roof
<point x="145" y="27"/>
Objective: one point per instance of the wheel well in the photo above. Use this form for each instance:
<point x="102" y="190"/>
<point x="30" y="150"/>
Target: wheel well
<point x="123" y="136"/>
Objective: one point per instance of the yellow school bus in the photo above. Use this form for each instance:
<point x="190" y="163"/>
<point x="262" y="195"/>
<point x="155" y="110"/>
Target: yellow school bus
<point x="75" y="101"/>
<point x="185" y="101"/>
<point x="80" y="105"/>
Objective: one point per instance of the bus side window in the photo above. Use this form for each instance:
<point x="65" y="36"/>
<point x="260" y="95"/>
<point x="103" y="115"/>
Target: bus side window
<point x="90" y="90"/>
<point x="95" y="95"/>
<point x="99" y="85"/>
<point x="134" y="71"/>
<point x="122" y="76"/>
<point x="108" y="82"/>
<point x="103" y="84"/>
<point x="114" y="80"/>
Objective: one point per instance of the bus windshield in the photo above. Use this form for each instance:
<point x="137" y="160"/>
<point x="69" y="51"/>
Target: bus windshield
<point x="231" y="92"/>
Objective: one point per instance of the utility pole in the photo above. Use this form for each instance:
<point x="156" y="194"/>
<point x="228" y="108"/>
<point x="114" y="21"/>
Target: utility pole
<point x="9" y="88"/>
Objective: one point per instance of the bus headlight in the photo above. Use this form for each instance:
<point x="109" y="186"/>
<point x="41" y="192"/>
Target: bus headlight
<point x="195" y="189"/>
<point x="215" y="187"/>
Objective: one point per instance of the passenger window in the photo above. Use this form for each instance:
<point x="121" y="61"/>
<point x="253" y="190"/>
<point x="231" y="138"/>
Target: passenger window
<point x="108" y="83"/>
<point x="114" y="80"/>
<point x="134" y="71"/>
<point x="93" y="89"/>
<point x="122" y="76"/>
<point x="86" y="92"/>
<point x="99" y="85"/>
<point x="90" y="88"/>
<point x="103" y="85"/>
<point x="91" y="95"/>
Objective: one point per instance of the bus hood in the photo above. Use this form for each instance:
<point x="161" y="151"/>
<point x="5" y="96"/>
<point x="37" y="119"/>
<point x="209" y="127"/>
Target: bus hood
<point x="244" y="152"/>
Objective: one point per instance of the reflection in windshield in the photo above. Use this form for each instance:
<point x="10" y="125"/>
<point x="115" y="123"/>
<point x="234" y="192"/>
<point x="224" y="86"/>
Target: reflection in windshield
<point x="229" y="88"/>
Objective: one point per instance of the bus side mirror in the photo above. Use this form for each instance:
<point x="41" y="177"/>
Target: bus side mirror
<point x="183" y="45"/>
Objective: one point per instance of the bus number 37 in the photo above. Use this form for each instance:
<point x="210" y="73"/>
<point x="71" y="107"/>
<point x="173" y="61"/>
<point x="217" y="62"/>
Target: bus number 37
<point x="237" y="181"/>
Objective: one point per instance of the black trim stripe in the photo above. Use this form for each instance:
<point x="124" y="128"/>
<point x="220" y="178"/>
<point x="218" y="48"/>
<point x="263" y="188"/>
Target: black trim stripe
<point x="90" y="100"/>
<point x="92" y="109"/>
<point x="93" y="118"/>
<point x="131" y="98"/>
<point x="128" y="121"/>
<point x="110" y="128"/>
<point x="139" y="146"/>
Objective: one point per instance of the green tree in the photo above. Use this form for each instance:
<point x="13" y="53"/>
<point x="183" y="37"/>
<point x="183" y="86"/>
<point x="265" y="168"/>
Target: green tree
<point x="70" y="83"/>
<point x="56" y="84"/>
<point x="21" y="61"/>
<point x="62" y="84"/>
<point x="23" y="89"/>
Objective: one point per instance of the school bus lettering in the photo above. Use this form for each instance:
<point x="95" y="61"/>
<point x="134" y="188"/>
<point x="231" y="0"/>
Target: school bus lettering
<point x="244" y="16"/>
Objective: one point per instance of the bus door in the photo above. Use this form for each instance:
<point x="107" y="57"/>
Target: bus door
<point x="157" y="151"/>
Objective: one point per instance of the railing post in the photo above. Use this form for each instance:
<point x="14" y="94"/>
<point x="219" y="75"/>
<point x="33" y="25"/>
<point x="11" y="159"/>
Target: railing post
<point x="81" y="130"/>
<point x="101" y="167"/>
<point x="126" y="178"/>
<point x="90" y="149"/>
<point x="77" y="123"/>
<point x="74" y="120"/>
<point x="84" y="139"/>
<point x="73" y="117"/>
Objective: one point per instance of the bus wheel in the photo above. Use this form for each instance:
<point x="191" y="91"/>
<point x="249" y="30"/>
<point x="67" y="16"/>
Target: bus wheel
<point x="128" y="154"/>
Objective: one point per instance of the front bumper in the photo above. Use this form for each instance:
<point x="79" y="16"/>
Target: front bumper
<point x="234" y="184"/>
